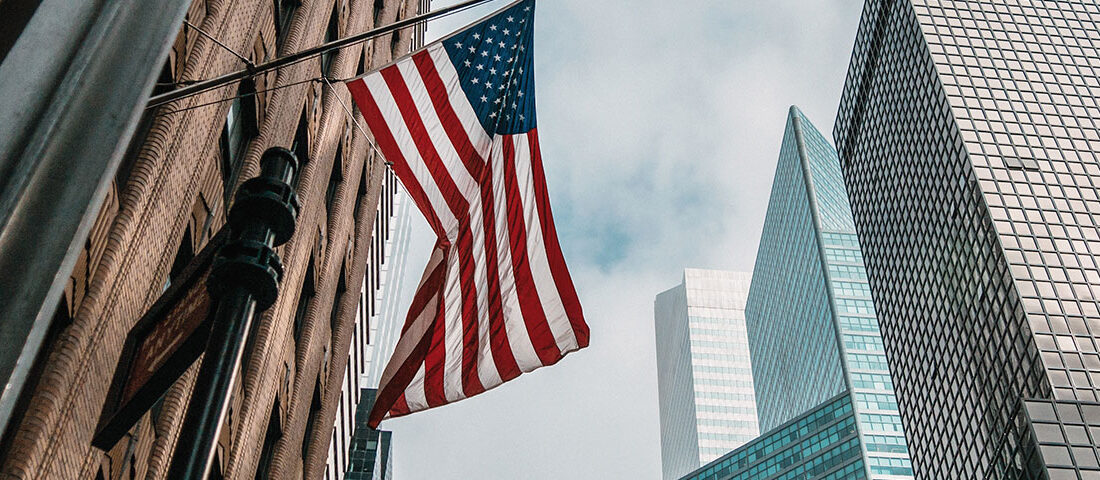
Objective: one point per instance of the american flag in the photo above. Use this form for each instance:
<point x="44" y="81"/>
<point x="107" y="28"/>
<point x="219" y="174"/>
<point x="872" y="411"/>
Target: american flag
<point x="457" y="119"/>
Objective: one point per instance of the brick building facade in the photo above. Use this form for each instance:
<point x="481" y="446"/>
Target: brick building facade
<point x="170" y="196"/>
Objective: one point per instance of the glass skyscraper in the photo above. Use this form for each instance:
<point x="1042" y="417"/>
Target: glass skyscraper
<point x="969" y="140"/>
<point x="704" y="377"/>
<point x="811" y="322"/>
<point x="820" y="444"/>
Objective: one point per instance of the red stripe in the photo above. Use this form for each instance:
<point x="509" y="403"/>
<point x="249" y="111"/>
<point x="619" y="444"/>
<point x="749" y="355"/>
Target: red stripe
<point x="460" y="208"/>
<point x="566" y="291"/>
<point x="434" y="363"/>
<point x="428" y="289"/>
<point x="533" y="315"/>
<point x="503" y="358"/>
<point x="443" y="108"/>
<point x="400" y="407"/>
<point x="383" y="136"/>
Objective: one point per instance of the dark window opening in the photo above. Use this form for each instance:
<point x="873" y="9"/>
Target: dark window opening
<point x="341" y="287"/>
<point x="304" y="299"/>
<point x="284" y="12"/>
<point x="240" y="128"/>
<point x="271" y="437"/>
<point x="360" y="193"/>
<point x="165" y="82"/>
<point x="314" y="411"/>
<point x="331" y="33"/>
<point x="184" y="254"/>
<point x="300" y="146"/>
<point x="335" y="177"/>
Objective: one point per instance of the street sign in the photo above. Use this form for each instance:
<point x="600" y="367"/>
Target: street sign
<point x="160" y="347"/>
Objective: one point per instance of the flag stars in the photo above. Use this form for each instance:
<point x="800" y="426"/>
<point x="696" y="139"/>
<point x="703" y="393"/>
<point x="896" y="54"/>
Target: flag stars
<point x="493" y="115"/>
<point x="458" y="44"/>
<point x="480" y="66"/>
<point x="484" y="53"/>
<point x="510" y="19"/>
<point x="488" y="84"/>
<point x="501" y="44"/>
<point x="521" y="118"/>
<point x="473" y="80"/>
<point x="472" y="49"/>
<point x="467" y="63"/>
<point x="492" y="71"/>
<point x="493" y="27"/>
<point x="496" y="57"/>
<point x="477" y="36"/>
<point x="484" y="99"/>
<point x="507" y="32"/>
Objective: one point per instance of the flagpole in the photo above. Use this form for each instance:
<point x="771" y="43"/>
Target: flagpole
<point x="202" y="86"/>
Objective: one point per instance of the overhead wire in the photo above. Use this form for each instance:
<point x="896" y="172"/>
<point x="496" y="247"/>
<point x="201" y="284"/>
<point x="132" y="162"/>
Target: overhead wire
<point x="294" y="58"/>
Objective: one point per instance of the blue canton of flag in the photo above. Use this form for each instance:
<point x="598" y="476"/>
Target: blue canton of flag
<point x="494" y="60"/>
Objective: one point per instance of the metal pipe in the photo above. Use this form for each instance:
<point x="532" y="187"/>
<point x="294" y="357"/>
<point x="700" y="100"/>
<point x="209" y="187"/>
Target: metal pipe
<point x="199" y="87"/>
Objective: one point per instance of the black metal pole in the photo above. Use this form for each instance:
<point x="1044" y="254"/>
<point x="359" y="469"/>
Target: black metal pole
<point x="244" y="280"/>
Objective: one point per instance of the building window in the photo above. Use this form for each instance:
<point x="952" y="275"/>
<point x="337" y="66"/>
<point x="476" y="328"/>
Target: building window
<point x="341" y="287"/>
<point x="314" y="411"/>
<point x="300" y="145"/>
<point x="304" y="299"/>
<point x="331" y="33"/>
<point x="284" y="12"/>
<point x="335" y="177"/>
<point x="274" y="431"/>
<point x="240" y="127"/>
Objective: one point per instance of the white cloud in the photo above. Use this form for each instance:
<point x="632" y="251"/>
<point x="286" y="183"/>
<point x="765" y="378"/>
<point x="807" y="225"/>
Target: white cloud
<point x="661" y="124"/>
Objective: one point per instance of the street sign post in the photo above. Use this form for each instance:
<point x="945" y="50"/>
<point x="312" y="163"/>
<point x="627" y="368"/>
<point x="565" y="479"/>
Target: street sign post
<point x="160" y="347"/>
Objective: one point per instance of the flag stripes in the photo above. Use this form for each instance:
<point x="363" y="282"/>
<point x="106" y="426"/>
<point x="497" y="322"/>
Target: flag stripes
<point x="496" y="298"/>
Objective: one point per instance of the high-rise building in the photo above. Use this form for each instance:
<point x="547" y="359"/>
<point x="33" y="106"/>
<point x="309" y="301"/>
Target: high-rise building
<point x="811" y="323"/>
<point x="969" y="137"/>
<point x="819" y="444"/>
<point x="378" y="322"/>
<point x="170" y="194"/>
<point x="704" y="377"/>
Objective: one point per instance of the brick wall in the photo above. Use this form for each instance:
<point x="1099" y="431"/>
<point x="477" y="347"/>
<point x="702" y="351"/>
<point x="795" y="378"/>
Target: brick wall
<point x="170" y="197"/>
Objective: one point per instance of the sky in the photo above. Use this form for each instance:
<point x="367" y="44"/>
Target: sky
<point x="660" y="125"/>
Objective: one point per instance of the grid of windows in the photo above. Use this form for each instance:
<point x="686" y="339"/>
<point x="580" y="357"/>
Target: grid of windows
<point x="820" y="441"/>
<point x="788" y="308"/>
<point x="809" y="210"/>
<point x="969" y="135"/>
<point x="704" y="378"/>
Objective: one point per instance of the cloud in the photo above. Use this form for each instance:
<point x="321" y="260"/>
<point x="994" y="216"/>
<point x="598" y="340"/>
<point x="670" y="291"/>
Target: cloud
<point x="660" y="125"/>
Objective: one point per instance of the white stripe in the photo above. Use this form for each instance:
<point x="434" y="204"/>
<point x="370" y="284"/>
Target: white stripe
<point x="518" y="338"/>
<point x="481" y="139"/>
<point x="471" y="191"/>
<point x="452" y="289"/>
<point x="452" y="324"/>
<point x="552" y="305"/>
<point x="388" y="106"/>
<point x="414" y="393"/>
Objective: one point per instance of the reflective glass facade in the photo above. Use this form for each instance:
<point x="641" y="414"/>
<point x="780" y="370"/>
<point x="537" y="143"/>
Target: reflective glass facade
<point x="820" y="444"/>
<point x="812" y="327"/>
<point x="968" y="134"/>
<point x="704" y="377"/>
